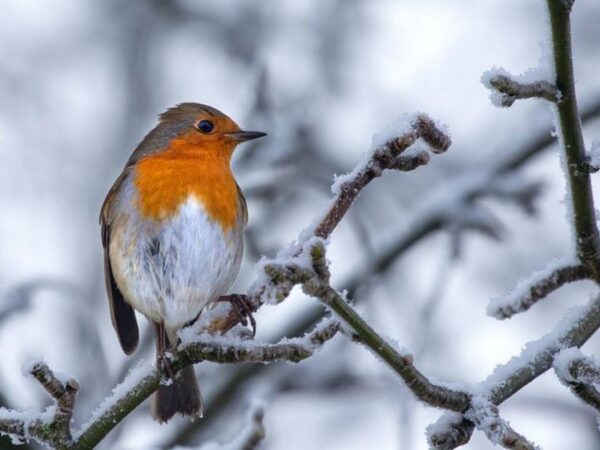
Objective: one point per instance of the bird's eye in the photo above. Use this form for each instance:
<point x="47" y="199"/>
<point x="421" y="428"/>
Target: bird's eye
<point x="206" y="126"/>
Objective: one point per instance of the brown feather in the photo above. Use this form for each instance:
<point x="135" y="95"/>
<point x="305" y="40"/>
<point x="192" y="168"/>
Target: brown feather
<point x="122" y="314"/>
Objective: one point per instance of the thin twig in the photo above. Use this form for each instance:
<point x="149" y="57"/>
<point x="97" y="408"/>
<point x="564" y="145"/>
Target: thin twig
<point x="537" y="358"/>
<point x="315" y="282"/>
<point x="528" y="292"/>
<point x="579" y="373"/>
<point x="572" y="144"/>
<point x="384" y="157"/>
<point x="486" y="417"/>
<point x="511" y="90"/>
<point x="57" y="433"/>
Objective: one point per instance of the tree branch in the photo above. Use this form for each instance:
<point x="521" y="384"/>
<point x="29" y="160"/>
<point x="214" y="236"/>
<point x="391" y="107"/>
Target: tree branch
<point x="487" y="419"/>
<point x="536" y="287"/>
<point x="507" y="90"/>
<point x="315" y="282"/>
<point x="427" y="221"/>
<point x="537" y="357"/>
<point x="140" y="384"/>
<point x="579" y="373"/>
<point x="571" y="140"/>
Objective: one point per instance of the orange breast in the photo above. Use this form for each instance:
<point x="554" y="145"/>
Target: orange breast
<point x="166" y="180"/>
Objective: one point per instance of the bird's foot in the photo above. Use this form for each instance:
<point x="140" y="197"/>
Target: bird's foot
<point x="164" y="362"/>
<point x="243" y="307"/>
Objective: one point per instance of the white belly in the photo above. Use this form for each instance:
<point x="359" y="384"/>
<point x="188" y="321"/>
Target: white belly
<point x="170" y="270"/>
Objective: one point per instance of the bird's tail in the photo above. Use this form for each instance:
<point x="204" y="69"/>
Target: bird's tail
<point x="181" y="395"/>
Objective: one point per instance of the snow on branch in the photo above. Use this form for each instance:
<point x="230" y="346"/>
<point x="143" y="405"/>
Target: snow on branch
<point x="486" y="417"/>
<point x="579" y="373"/>
<point x="579" y="324"/>
<point x="313" y="275"/>
<point x="536" y="287"/>
<point x="580" y="197"/>
<point x="387" y="153"/>
<point x="141" y="383"/>
<point x="392" y="149"/>
<point x="51" y="427"/>
<point x="506" y="88"/>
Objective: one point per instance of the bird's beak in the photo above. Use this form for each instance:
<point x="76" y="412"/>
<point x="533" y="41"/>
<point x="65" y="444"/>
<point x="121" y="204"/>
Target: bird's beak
<point x="243" y="136"/>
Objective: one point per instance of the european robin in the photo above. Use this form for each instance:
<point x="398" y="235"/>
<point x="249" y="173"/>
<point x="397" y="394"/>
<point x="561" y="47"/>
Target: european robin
<point x="172" y="227"/>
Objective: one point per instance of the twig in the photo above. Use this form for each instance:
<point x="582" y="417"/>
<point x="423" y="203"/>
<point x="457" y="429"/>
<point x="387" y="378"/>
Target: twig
<point x="572" y="144"/>
<point x="382" y="158"/>
<point x="486" y="417"/>
<point x="533" y="289"/>
<point x="573" y="331"/>
<point x="132" y="392"/>
<point x="509" y="90"/>
<point x="390" y="155"/>
<point x="315" y="282"/>
<point x="53" y="430"/>
<point x="579" y="373"/>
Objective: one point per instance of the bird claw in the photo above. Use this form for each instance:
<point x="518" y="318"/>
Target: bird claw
<point x="165" y="365"/>
<point x="243" y="307"/>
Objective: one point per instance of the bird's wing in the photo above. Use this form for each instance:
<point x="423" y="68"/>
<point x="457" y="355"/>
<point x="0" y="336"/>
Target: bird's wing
<point x="243" y="205"/>
<point x="122" y="314"/>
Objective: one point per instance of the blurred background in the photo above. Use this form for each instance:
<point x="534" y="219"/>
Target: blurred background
<point x="82" y="81"/>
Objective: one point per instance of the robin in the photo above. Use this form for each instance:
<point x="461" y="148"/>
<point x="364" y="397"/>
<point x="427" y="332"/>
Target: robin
<point x="172" y="231"/>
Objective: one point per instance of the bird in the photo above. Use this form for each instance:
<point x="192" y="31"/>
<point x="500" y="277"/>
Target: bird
<point x="172" y="233"/>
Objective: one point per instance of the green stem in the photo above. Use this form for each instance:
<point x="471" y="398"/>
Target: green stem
<point x="586" y="231"/>
<point x="426" y="391"/>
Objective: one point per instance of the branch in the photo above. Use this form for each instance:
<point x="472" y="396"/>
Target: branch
<point x="536" y="358"/>
<point x="51" y="427"/>
<point x="579" y="373"/>
<point x="314" y="279"/>
<point x="389" y="152"/>
<point x="385" y="156"/>
<point x="142" y="382"/>
<point x="536" y="287"/>
<point x="487" y="419"/>
<point x="571" y="139"/>
<point x="506" y="89"/>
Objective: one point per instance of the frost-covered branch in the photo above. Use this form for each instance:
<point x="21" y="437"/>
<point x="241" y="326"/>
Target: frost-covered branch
<point x="391" y="150"/>
<point x="486" y="417"/>
<point x="571" y="140"/>
<point x="51" y="427"/>
<point x="533" y="289"/>
<point x="506" y="89"/>
<point x="579" y="373"/>
<point x="536" y="358"/>
<point x="575" y="161"/>
<point x="142" y="382"/>
<point x="386" y="155"/>
<point x="314" y="279"/>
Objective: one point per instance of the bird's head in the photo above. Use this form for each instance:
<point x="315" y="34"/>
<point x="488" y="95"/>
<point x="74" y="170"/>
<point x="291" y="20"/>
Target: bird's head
<point x="193" y="125"/>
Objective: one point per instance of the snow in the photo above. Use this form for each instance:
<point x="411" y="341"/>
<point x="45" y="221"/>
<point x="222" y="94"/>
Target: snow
<point x="444" y="423"/>
<point x="133" y="378"/>
<point x="538" y="349"/>
<point x="400" y="127"/>
<point x="517" y="299"/>
<point x="563" y="361"/>
<point x="29" y="364"/>
<point x="594" y="153"/>
<point x="500" y="100"/>
<point x="296" y="253"/>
